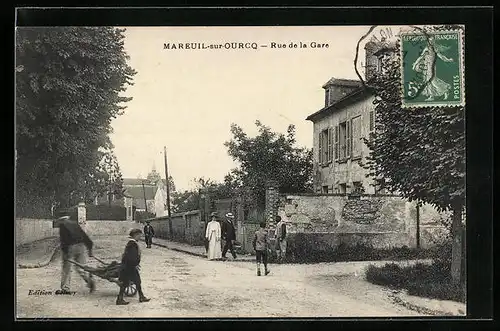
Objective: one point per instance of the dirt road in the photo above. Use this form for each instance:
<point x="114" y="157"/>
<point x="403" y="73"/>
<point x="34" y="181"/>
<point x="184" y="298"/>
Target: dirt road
<point x="181" y="285"/>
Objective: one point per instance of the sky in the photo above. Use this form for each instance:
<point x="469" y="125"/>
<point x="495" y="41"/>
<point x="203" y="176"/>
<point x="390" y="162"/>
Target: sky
<point x="186" y="100"/>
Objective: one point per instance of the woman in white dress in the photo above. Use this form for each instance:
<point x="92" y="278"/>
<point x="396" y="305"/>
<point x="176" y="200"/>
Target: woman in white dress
<point x="213" y="236"/>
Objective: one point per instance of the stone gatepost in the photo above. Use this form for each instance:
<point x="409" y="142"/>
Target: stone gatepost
<point x="272" y="196"/>
<point x="129" y="208"/>
<point x="82" y="215"/>
<point x="240" y="215"/>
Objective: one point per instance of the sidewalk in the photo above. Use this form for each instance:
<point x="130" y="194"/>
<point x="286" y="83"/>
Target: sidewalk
<point x="195" y="250"/>
<point x="37" y="254"/>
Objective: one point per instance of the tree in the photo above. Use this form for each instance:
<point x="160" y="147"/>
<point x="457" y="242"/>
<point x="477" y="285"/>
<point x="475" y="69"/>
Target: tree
<point x="154" y="177"/>
<point x="185" y="201"/>
<point x="190" y="199"/>
<point x="420" y="151"/>
<point x="113" y="181"/>
<point x="69" y="82"/>
<point x="269" y="156"/>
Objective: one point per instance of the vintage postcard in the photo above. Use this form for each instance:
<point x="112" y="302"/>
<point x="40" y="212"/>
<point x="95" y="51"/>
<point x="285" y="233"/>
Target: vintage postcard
<point x="243" y="171"/>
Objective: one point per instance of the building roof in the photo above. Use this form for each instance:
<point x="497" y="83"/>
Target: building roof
<point x="138" y="181"/>
<point x="133" y="181"/>
<point x="358" y="94"/>
<point x="137" y="193"/>
<point x="342" y="82"/>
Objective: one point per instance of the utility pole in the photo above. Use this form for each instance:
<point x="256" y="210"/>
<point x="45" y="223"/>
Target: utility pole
<point x="145" y="201"/>
<point x="168" y="191"/>
<point x="418" y="226"/>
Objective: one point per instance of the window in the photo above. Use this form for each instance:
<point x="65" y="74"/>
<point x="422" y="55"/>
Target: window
<point x="378" y="68"/>
<point x="371" y="130"/>
<point x="380" y="186"/>
<point x="358" y="187"/>
<point x="325" y="189"/>
<point x="330" y="145"/>
<point x="337" y="152"/>
<point x="356" y="137"/>
<point x="320" y="148"/>
<point x="325" y="146"/>
<point x="343" y="188"/>
<point x="327" y="97"/>
<point x="343" y="141"/>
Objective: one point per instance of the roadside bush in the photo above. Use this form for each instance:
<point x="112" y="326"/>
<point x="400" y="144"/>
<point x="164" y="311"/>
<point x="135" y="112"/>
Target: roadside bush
<point x="106" y="212"/>
<point x="425" y="280"/>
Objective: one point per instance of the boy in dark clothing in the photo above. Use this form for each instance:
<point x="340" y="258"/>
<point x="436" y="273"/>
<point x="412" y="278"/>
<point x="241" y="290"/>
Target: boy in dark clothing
<point x="149" y="233"/>
<point x="129" y="271"/>
<point x="260" y="245"/>
<point x="73" y="243"/>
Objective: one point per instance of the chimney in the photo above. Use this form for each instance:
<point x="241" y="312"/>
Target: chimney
<point x="337" y="88"/>
<point x="371" y="60"/>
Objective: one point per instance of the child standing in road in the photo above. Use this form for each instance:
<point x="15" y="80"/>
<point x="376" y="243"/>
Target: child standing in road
<point x="260" y="245"/>
<point x="129" y="270"/>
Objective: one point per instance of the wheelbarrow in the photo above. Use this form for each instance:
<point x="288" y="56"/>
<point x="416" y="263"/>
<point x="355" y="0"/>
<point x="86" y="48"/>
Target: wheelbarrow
<point x="109" y="272"/>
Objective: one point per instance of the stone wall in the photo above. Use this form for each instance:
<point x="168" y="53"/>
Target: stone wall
<point x="381" y="220"/>
<point x="110" y="228"/>
<point x="187" y="227"/>
<point x="29" y="230"/>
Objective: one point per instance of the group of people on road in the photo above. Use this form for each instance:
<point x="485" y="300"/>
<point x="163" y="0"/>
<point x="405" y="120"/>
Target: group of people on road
<point x="221" y="236"/>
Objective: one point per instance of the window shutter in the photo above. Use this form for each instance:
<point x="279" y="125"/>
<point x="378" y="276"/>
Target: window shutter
<point x="372" y="124"/>
<point x="336" y="128"/>
<point x="320" y="147"/>
<point x="348" y="140"/>
<point x="330" y="144"/>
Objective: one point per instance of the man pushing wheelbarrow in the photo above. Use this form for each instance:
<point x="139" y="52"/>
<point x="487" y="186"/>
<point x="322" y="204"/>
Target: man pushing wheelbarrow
<point x="73" y="243"/>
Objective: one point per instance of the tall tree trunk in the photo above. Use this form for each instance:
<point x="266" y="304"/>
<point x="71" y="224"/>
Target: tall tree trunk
<point x="456" y="248"/>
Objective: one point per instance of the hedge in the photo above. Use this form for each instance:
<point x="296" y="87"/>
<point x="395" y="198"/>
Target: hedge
<point x="106" y="212"/>
<point x="302" y="248"/>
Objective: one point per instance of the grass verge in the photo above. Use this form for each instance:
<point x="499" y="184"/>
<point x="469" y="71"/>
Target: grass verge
<point x="424" y="280"/>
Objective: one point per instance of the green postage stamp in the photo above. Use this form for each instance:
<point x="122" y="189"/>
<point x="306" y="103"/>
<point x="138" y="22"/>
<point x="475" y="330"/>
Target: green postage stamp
<point x="432" y="69"/>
